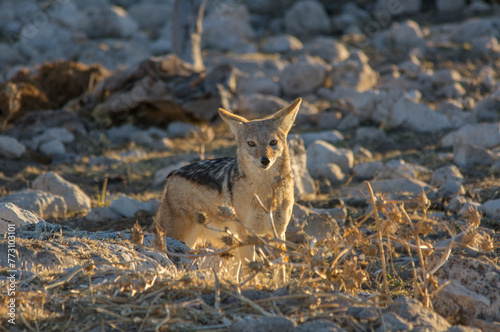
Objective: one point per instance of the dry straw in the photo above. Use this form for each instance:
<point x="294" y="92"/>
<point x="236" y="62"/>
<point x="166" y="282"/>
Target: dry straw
<point x="327" y="275"/>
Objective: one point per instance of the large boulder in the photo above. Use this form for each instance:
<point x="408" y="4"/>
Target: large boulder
<point x="303" y="182"/>
<point x="303" y="77"/>
<point x="400" y="37"/>
<point x="418" y="117"/>
<point x="228" y="30"/>
<point x="467" y="155"/>
<point x="307" y="18"/>
<point x="327" y="48"/>
<point x="354" y="73"/>
<point x="447" y="6"/>
<point x="321" y="152"/>
<point x="12" y="215"/>
<point x="282" y="44"/>
<point x="43" y="204"/>
<point x="128" y="207"/>
<point x="76" y="200"/>
<point x="258" y="105"/>
<point x="11" y="148"/>
<point x="319" y="223"/>
<point x="482" y="134"/>
<point x="106" y="22"/>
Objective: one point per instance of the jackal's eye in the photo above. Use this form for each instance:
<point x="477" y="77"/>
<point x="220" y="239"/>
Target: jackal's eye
<point x="273" y="142"/>
<point x="251" y="143"/>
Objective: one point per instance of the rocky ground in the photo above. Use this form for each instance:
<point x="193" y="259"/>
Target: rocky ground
<point x="403" y="95"/>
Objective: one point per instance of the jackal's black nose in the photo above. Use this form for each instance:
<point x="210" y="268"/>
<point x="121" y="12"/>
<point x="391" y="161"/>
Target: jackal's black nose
<point x="264" y="161"/>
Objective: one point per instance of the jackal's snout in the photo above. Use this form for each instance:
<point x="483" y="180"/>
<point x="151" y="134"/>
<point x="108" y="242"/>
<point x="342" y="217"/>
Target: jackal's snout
<point x="265" y="161"/>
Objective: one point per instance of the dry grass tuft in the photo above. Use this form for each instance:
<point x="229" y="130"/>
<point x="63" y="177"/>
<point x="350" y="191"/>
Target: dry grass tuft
<point x="361" y="256"/>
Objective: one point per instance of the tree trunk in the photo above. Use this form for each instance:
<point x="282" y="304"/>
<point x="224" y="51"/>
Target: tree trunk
<point x="186" y="31"/>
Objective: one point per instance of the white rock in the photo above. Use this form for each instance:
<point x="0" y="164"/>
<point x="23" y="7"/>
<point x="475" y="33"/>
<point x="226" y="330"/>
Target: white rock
<point x="391" y="8"/>
<point x="450" y="188"/>
<point x="376" y="105"/>
<point x="446" y="173"/>
<point x="180" y="129"/>
<point x="467" y="155"/>
<point x="153" y="138"/>
<point x="52" y="148"/>
<point x="400" y="36"/>
<point x="262" y="85"/>
<point x="397" y="168"/>
<point x="303" y="77"/>
<point x="445" y="76"/>
<point x="313" y="222"/>
<point x="454" y="90"/>
<point x="46" y="38"/>
<point x="450" y="5"/>
<point x="120" y="135"/>
<point x="128" y="207"/>
<point x="418" y="117"/>
<point x="258" y="105"/>
<point x="58" y="134"/>
<point x="282" y="44"/>
<point x="354" y="73"/>
<point x="43" y="204"/>
<point x="329" y="136"/>
<point x="76" y="200"/>
<point x="12" y="215"/>
<point x="329" y="120"/>
<point x="228" y="30"/>
<point x="68" y="15"/>
<point x="331" y="172"/>
<point x="327" y="48"/>
<point x="111" y="22"/>
<point x="456" y="203"/>
<point x="151" y="15"/>
<point x="304" y="184"/>
<point x="349" y="121"/>
<point x="467" y="206"/>
<point x="488" y="108"/>
<point x="370" y="170"/>
<point x="484" y="134"/>
<point x="475" y="29"/>
<point x="412" y="66"/>
<point x="453" y="110"/>
<point x="321" y="152"/>
<point x="11" y="148"/>
<point x="492" y="208"/>
<point x="307" y="18"/>
<point x="350" y="18"/>
<point x="99" y="214"/>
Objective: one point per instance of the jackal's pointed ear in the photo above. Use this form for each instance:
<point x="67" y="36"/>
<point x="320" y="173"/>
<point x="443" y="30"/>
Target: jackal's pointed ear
<point x="286" y="116"/>
<point x="234" y="121"/>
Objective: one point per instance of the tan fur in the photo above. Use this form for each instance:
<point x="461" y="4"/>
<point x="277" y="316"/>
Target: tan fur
<point x="184" y="200"/>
